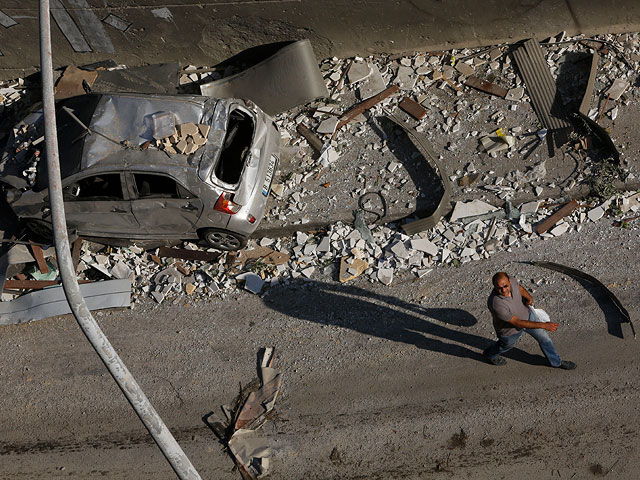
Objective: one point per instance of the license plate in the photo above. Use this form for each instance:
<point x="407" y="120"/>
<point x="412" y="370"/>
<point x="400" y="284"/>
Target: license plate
<point x="267" y="180"/>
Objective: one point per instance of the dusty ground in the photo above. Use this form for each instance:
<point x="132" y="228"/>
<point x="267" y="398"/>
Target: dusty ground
<point x="389" y="377"/>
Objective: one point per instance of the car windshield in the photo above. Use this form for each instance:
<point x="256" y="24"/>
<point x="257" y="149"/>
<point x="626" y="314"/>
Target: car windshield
<point x="71" y="137"/>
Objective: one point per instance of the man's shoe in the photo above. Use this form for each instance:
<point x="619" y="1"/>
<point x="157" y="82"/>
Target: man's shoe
<point x="497" y="361"/>
<point x="567" y="365"/>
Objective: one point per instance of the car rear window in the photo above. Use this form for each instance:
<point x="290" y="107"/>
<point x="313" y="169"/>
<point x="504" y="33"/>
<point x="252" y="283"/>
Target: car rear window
<point x="71" y="136"/>
<point x="235" y="147"/>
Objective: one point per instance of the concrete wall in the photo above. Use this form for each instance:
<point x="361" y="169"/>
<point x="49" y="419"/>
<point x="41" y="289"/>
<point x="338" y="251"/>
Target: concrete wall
<point x="205" y="32"/>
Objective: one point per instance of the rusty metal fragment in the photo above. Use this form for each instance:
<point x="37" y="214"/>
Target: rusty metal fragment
<point x="547" y="223"/>
<point x="574" y="272"/>
<point x="413" y="108"/>
<point x="362" y="107"/>
<point x="486" y="87"/>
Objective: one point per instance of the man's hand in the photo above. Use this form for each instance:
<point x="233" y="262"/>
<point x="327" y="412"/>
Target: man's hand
<point x="550" y="326"/>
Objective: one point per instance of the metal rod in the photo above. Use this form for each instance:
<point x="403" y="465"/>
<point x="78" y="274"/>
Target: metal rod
<point x="130" y="388"/>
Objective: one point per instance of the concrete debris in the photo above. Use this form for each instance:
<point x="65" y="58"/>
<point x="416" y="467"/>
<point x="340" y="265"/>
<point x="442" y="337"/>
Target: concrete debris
<point x="373" y="84"/>
<point x="515" y="94"/>
<point x="617" y="89"/>
<point x="406" y="78"/>
<point x="359" y="71"/>
<point x="470" y="209"/>
<point x="252" y="282"/>
<point x="351" y="268"/>
<point x="596" y="214"/>
<point x="497" y="141"/>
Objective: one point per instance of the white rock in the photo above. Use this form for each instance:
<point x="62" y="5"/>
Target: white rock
<point x="121" y="270"/>
<point x="385" y="275"/>
<point x="515" y="94"/>
<point x="405" y="78"/>
<point x="307" y="272"/>
<point x="559" y="229"/>
<point x="324" y="245"/>
<point x="530" y="207"/>
<point x="399" y="250"/>
<point x="373" y="85"/>
<point x="596" y="214"/>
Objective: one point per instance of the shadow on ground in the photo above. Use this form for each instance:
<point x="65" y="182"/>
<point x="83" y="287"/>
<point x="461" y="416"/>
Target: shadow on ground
<point x="440" y="330"/>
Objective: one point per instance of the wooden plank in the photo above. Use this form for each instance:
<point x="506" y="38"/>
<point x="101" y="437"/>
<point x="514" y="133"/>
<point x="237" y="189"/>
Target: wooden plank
<point x="311" y="137"/>
<point x="185" y="254"/>
<point x="36" y="251"/>
<point x="566" y="209"/>
<point x="413" y="108"/>
<point x="362" y="107"/>
<point x="487" y="87"/>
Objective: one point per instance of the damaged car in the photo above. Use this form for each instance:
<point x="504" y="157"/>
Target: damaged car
<point x="148" y="167"/>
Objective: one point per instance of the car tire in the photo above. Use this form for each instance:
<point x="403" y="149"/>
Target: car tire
<point x="223" y="239"/>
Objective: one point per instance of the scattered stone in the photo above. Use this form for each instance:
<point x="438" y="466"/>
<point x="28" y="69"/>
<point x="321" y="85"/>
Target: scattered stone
<point x="358" y="72"/>
<point x="349" y="271"/>
<point x="596" y="214"/>
<point x="424" y="245"/>
<point x="470" y="209"/>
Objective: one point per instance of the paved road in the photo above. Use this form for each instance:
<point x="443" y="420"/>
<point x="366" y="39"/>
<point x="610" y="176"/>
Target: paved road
<point x="391" y="377"/>
<point x="206" y="32"/>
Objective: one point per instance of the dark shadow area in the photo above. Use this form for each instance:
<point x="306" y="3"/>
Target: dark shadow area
<point x="429" y="189"/>
<point x="383" y="316"/>
<point x="611" y="314"/>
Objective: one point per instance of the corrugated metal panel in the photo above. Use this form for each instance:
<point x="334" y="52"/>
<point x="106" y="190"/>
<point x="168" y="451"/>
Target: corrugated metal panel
<point x="542" y="90"/>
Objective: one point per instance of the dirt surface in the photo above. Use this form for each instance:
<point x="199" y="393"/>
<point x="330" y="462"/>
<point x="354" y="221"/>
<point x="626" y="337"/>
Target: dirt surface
<point x="380" y="382"/>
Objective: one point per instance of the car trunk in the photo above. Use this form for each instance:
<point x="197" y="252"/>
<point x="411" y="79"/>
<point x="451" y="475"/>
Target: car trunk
<point x="235" y="148"/>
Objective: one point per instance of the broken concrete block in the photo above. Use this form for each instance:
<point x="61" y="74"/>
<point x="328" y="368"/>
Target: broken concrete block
<point x="189" y="288"/>
<point x="373" y="85"/>
<point x="328" y="125"/>
<point x="358" y="72"/>
<point x="515" y="94"/>
<point x="199" y="140"/>
<point x="617" y="89"/>
<point x="559" y="229"/>
<point x="470" y="209"/>
<point x="307" y="272"/>
<point x="529" y="208"/>
<point x="185" y="129"/>
<point x="406" y="78"/>
<point x="157" y="296"/>
<point x="596" y="214"/>
<point x="465" y="68"/>
<point x="324" y="245"/>
<point x="349" y="271"/>
<point x="252" y="282"/>
<point x="424" y="245"/>
<point x="121" y="271"/>
<point x="203" y="128"/>
<point x="181" y="146"/>
<point x="399" y="250"/>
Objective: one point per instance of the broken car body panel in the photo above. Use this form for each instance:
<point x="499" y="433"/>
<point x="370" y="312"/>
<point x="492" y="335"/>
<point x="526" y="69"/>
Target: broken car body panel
<point x="116" y="185"/>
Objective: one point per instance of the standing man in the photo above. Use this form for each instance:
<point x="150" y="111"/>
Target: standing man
<point x="508" y="305"/>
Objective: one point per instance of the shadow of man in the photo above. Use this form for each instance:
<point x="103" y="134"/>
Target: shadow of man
<point x="387" y="317"/>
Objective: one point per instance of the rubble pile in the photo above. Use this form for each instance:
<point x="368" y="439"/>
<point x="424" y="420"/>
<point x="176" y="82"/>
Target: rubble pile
<point x="473" y="107"/>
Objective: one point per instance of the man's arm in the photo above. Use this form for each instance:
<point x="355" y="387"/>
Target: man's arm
<point x="528" y="299"/>
<point x="516" y="322"/>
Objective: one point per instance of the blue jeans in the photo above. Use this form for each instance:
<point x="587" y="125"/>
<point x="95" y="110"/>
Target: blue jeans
<point x="504" y="344"/>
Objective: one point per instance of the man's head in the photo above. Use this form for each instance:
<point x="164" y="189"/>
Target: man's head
<point x="501" y="284"/>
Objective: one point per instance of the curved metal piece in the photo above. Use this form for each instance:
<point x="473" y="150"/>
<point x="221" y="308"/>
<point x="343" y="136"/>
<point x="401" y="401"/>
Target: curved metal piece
<point x="424" y="147"/>
<point x="118" y="370"/>
<point x="574" y="272"/>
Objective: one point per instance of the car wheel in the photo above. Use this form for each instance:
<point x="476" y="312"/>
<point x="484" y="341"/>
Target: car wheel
<point x="223" y="239"/>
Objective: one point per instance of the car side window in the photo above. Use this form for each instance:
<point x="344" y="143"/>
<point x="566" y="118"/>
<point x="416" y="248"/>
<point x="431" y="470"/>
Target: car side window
<point x="106" y="186"/>
<point x="159" y="186"/>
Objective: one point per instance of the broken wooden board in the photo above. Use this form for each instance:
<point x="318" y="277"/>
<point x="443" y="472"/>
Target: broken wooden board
<point x="562" y="212"/>
<point x="486" y="87"/>
<point x="184" y="254"/>
<point x="362" y="107"/>
<point x="33" y="284"/>
<point x="70" y="83"/>
<point x="413" y="108"/>
<point x="358" y="264"/>
<point x="37" y="253"/>
<point x="264" y="254"/>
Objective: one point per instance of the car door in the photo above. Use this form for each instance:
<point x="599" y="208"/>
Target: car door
<point x="162" y="206"/>
<point x="96" y="205"/>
